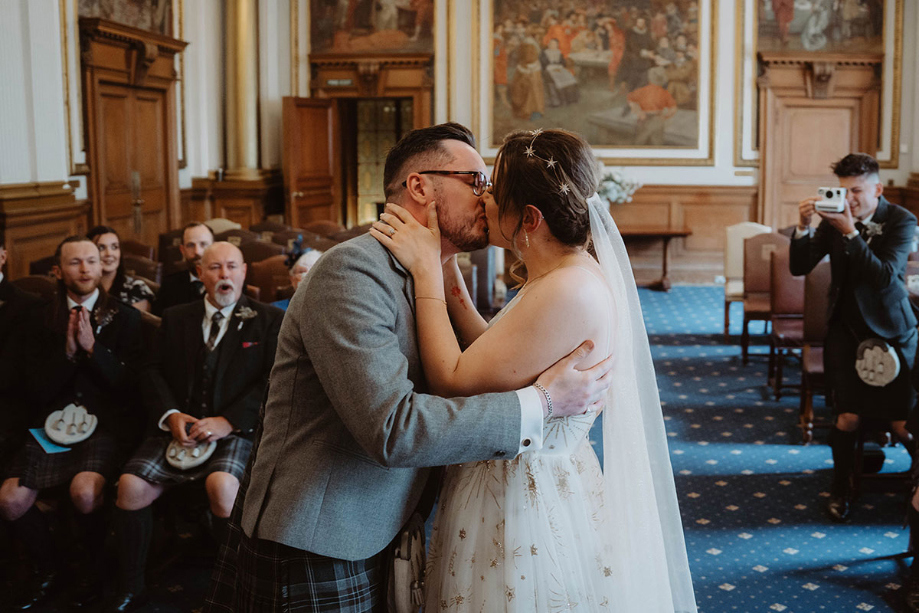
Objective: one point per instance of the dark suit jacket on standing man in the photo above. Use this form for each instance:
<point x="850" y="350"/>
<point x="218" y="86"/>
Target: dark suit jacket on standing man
<point x="868" y="293"/>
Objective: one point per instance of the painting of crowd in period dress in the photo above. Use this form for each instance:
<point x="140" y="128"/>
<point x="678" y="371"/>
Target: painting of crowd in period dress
<point x="624" y="73"/>
<point x="821" y="26"/>
<point x="150" y="15"/>
<point x="370" y="26"/>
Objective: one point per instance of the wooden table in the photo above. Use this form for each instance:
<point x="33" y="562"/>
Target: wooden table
<point x="665" y="234"/>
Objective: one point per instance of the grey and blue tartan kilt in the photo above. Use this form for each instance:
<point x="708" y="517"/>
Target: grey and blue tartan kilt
<point x="38" y="470"/>
<point x="272" y="577"/>
<point x="149" y="461"/>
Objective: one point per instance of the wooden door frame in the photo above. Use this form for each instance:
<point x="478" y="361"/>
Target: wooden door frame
<point x="116" y="54"/>
<point x="831" y="81"/>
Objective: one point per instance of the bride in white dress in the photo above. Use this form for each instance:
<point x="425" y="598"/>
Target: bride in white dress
<point x="547" y="530"/>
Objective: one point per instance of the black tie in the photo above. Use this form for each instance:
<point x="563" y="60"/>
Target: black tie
<point x="77" y="309"/>
<point x="860" y="227"/>
<point x="216" y="318"/>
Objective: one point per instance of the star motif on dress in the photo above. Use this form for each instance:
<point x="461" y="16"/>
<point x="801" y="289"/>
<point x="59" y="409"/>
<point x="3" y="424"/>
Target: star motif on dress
<point x="529" y="151"/>
<point x="551" y="163"/>
<point x="564" y="189"/>
<point x="536" y="132"/>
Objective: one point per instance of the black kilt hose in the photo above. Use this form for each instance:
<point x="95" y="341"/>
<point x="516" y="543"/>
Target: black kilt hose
<point x="893" y="402"/>
<point x="149" y="461"/>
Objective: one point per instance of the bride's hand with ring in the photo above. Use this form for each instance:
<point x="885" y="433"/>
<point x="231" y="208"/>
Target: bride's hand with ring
<point x="416" y="246"/>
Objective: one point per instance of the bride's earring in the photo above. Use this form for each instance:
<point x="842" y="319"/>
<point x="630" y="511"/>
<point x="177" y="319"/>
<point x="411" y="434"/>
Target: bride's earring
<point x="526" y="239"/>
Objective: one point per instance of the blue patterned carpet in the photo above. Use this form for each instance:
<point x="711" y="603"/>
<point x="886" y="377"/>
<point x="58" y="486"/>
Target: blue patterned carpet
<point x="751" y="495"/>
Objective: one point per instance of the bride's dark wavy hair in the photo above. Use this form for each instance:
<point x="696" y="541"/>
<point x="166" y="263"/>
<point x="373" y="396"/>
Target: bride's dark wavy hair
<point x="535" y="176"/>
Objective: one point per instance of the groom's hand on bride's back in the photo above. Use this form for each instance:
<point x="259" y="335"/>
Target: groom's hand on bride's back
<point x="574" y="391"/>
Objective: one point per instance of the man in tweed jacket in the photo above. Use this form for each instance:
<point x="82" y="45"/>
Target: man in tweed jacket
<point x="348" y="434"/>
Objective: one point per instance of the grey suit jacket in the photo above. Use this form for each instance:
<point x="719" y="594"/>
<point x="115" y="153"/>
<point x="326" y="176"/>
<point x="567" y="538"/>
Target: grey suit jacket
<point x="347" y="432"/>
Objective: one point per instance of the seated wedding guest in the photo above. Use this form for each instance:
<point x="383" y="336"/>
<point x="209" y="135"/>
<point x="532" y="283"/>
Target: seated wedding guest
<point x="79" y="364"/>
<point x="207" y="379"/>
<point x="131" y="291"/>
<point x="15" y="307"/>
<point x="299" y="263"/>
<point x="185" y="286"/>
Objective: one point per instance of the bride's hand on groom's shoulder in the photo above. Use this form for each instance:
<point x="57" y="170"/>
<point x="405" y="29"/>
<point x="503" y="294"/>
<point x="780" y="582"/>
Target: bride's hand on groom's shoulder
<point x="574" y="391"/>
<point x="415" y="245"/>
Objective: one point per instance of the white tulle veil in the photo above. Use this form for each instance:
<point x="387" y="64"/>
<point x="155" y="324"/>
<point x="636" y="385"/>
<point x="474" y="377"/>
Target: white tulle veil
<point x="651" y="567"/>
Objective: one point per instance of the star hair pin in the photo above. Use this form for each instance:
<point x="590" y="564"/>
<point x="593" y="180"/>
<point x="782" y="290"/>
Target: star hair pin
<point x="564" y="189"/>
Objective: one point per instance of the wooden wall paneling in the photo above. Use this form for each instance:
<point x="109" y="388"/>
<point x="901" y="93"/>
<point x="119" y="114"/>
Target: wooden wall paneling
<point x="706" y="210"/>
<point x="35" y="218"/>
<point x="812" y="113"/>
<point x="129" y="88"/>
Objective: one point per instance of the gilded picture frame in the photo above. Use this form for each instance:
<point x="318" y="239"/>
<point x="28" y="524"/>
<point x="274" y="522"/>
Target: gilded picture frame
<point x="623" y="88"/>
<point x="828" y="34"/>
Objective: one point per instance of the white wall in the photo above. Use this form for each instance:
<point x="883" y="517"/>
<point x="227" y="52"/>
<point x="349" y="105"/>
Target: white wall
<point x="31" y="93"/>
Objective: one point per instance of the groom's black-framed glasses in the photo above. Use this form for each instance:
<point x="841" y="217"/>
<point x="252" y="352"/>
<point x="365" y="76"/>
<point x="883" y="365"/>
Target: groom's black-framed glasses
<point x="479" y="185"/>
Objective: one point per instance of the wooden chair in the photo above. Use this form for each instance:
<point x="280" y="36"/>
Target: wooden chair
<point x="42" y="267"/>
<point x="252" y="292"/>
<point x="267" y="229"/>
<point x="756" y="280"/>
<point x="136" y="265"/>
<point x="816" y="308"/>
<point x="219" y="225"/>
<point x="40" y="285"/>
<point x="733" y="263"/>
<point x="350" y="233"/>
<point x="284" y="293"/>
<point x="786" y="301"/>
<point x="256" y="251"/>
<point x="269" y="275"/>
<point x="236" y="236"/>
<point x="133" y="247"/>
<point x="172" y="260"/>
<point x="287" y="238"/>
<point x="324" y="228"/>
<point x="171" y="239"/>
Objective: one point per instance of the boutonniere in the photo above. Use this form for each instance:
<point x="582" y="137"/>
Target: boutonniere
<point x="873" y="229"/>
<point x="103" y="317"/>
<point x="244" y="314"/>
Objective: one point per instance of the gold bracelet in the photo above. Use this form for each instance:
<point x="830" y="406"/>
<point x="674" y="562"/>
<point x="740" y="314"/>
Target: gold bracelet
<point x="417" y="298"/>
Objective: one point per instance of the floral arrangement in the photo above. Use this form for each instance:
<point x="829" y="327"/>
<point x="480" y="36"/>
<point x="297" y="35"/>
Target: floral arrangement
<point x="615" y="186"/>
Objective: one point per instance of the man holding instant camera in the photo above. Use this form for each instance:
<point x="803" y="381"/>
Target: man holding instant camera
<point x="871" y="335"/>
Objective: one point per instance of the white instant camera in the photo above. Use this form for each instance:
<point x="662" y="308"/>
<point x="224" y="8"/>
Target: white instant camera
<point x="832" y="199"/>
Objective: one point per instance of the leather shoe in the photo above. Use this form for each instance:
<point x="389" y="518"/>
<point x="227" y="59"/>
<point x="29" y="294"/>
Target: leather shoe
<point x="126" y="601"/>
<point x="32" y="592"/>
<point x="838" y="508"/>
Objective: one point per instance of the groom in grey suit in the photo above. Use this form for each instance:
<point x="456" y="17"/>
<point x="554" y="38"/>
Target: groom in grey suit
<point x="348" y="434"/>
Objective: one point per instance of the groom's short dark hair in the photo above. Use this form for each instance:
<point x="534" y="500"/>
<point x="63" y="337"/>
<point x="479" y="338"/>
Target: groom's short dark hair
<point x="422" y="146"/>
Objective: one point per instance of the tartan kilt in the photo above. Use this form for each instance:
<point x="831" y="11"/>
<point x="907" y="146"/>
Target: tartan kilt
<point x="38" y="470"/>
<point x="149" y="461"/>
<point x="274" y="577"/>
<point x="893" y="402"/>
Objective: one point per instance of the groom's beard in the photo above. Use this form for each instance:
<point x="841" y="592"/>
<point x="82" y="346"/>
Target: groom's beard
<point x="464" y="234"/>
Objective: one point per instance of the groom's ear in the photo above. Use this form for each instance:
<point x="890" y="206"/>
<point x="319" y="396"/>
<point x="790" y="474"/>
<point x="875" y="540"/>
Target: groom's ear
<point x="418" y="190"/>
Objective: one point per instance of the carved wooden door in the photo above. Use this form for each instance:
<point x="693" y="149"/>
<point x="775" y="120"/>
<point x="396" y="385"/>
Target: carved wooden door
<point x="133" y="185"/>
<point x="311" y="160"/>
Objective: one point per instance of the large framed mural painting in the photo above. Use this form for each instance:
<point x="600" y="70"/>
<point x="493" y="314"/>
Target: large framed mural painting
<point x="634" y="77"/>
<point x="818" y="28"/>
<point x="372" y="26"/>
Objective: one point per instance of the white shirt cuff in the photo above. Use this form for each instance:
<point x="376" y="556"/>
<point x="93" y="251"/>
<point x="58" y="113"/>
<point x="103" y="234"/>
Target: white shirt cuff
<point x="799" y="233"/>
<point x="852" y="234"/>
<point x="162" y="422"/>
<point x="531" y="420"/>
